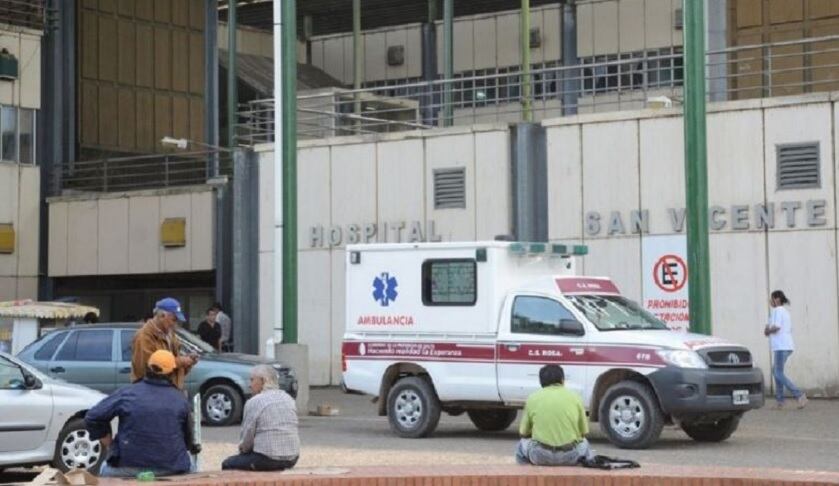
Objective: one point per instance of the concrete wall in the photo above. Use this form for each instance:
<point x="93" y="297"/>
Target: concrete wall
<point x="25" y="45"/>
<point x="384" y="180"/>
<point x="641" y="167"/>
<point x="19" y="196"/>
<point x="492" y="40"/>
<point x="119" y="233"/>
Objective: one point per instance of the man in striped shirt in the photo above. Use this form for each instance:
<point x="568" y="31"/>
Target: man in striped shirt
<point x="269" y="439"/>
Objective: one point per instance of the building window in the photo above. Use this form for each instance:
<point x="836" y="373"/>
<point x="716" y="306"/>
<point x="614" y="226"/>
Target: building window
<point x="17" y="135"/>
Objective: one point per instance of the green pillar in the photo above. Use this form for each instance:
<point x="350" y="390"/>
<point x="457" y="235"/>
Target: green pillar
<point x="289" y="148"/>
<point x="526" y="106"/>
<point x="232" y="91"/>
<point x="448" y="60"/>
<point x="696" y="170"/>
<point x="358" y="53"/>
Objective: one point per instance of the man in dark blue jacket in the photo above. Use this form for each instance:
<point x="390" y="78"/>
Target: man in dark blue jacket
<point x="155" y="424"/>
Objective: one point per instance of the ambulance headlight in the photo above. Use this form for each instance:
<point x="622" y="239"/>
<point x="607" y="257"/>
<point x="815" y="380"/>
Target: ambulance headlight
<point x="682" y="358"/>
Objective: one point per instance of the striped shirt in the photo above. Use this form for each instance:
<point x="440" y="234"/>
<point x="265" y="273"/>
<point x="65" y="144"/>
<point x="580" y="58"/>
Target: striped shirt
<point x="269" y="426"/>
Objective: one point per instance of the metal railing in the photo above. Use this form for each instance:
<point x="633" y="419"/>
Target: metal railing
<point x="23" y="13"/>
<point x="141" y="172"/>
<point x="597" y="84"/>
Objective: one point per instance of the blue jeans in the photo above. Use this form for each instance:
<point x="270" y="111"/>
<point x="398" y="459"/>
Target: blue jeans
<point x="529" y="451"/>
<point x="781" y="380"/>
<point x="107" y="471"/>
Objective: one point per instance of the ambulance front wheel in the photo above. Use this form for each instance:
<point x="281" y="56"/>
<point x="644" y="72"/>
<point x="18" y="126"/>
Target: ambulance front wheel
<point x="629" y="415"/>
<point x="413" y="409"/>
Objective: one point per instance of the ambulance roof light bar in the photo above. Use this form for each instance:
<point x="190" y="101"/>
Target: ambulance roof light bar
<point x="524" y="248"/>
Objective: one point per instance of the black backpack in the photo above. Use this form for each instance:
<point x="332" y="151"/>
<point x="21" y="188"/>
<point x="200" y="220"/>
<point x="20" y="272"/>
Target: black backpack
<point x="606" y="462"/>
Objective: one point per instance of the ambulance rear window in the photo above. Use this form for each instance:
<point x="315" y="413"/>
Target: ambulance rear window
<point x="449" y="282"/>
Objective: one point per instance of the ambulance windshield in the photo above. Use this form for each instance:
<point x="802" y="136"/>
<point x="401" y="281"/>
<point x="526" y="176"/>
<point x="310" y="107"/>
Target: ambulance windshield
<point x="615" y="313"/>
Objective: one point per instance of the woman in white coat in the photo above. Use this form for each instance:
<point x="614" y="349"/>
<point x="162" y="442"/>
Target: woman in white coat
<point x="779" y="332"/>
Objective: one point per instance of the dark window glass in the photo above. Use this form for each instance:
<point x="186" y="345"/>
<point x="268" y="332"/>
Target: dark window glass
<point x="87" y="346"/>
<point x="451" y="282"/>
<point x="51" y="343"/>
<point x="8" y="133"/>
<point x="538" y="315"/>
<point x="127" y="339"/>
<point x="27" y="136"/>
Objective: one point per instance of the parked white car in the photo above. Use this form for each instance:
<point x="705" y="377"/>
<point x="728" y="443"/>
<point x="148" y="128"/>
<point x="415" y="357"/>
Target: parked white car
<point x="42" y="420"/>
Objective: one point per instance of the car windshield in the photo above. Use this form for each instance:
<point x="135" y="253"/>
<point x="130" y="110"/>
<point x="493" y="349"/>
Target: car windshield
<point x="12" y="361"/>
<point x="614" y="313"/>
<point x="194" y="343"/>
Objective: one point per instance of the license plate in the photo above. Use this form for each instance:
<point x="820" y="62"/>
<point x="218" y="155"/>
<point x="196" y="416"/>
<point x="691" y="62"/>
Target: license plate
<point x="740" y="397"/>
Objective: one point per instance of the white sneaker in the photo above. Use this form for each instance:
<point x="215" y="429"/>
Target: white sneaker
<point x="802" y="401"/>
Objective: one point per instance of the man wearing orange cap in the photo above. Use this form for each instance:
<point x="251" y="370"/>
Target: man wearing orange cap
<point x="155" y="424"/>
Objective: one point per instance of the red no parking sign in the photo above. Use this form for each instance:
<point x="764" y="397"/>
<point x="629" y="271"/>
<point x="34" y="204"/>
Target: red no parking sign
<point x="670" y="273"/>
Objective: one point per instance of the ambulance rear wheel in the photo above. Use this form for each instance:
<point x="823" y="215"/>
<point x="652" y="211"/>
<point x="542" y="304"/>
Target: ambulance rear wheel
<point x="493" y="420"/>
<point x="413" y="408"/>
<point x="630" y="416"/>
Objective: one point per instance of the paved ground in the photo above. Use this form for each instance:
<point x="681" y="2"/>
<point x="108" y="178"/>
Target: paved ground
<point x="791" y="439"/>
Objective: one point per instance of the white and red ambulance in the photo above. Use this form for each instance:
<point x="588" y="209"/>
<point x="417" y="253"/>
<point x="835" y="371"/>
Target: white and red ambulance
<point x="465" y="327"/>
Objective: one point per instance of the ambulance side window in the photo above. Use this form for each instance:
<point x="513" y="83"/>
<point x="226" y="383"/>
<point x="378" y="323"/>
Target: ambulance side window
<point x="449" y="282"/>
<point x="539" y="315"/>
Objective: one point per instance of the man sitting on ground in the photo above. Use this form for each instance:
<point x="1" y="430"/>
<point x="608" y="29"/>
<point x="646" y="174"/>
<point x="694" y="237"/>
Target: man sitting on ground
<point x="155" y="424"/>
<point x="554" y="425"/>
<point x="269" y="440"/>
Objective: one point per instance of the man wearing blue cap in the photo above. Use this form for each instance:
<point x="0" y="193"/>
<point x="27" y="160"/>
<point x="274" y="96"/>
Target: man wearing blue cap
<point x="159" y="333"/>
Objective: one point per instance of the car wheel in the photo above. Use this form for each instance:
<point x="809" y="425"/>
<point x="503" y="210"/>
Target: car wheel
<point x="493" y="420"/>
<point x="712" y="431"/>
<point x="221" y="405"/>
<point x="630" y="416"/>
<point x="75" y="449"/>
<point x="413" y="409"/>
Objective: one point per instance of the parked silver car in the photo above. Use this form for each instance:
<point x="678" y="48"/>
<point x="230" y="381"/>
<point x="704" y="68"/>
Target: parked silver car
<point x="42" y="420"/>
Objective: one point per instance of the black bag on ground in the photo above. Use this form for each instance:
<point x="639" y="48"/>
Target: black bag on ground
<point x="606" y="462"/>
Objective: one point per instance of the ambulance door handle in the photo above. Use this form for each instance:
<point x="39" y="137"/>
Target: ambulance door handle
<point x="513" y="346"/>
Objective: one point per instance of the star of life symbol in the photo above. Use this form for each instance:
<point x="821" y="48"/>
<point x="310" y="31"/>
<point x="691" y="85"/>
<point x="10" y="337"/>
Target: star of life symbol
<point x="384" y="289"/>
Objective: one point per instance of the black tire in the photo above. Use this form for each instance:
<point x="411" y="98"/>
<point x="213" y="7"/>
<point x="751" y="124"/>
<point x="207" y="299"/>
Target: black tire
<point x="413" y="409"/>
<point x="492" y="420"/>
<point x="221" y="405"/>
<point x="74" y="449"/>
<point x="629" y="415"/>
<point x="712" y="431"/>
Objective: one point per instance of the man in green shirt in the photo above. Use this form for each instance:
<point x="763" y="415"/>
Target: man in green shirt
<point x="554" y="424"/>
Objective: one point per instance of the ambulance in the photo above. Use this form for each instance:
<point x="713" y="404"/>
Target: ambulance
<point x="465" y="327"/>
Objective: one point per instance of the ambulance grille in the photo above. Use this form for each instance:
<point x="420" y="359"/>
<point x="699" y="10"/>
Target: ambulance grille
<point x="728" y="358"/>
<point x="450" y="188"/>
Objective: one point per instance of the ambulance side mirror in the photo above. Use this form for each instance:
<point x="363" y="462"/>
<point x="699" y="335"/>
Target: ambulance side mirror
<point x="571" y="327"/>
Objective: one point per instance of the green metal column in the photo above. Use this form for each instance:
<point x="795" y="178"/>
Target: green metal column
<point x="448" y="60"/>
<point x="696" y="171"/>
<point x="526" y="102"/>
<point x="358" y="52"/>
<point x="232" y="91"/>
<point x="289" y="148"/>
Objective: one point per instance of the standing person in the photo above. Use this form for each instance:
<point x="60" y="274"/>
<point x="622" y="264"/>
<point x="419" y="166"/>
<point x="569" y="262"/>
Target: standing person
<point x="269" y="439"/>
<point x="554" y="424"/>
<point x="226" y="327"/>
<point x="155" y="424"/>
<point x="210" y="330"/>
<point x="779" y="331"/>
<point x="159" y="333"/>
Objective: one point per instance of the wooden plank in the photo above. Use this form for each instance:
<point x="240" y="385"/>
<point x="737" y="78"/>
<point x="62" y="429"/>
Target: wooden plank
<point x="180" y="117"/>
<point x="180" y="13"/>
<point x="108" y="117"/>
<point x="162" y="58"/>
<point x="90" y="45"/>
<point x="196" y="119"/>
<point x="145" y="56"/>
<point x="162" y="117"/>
<point x="163" y="10"/>
<point x="145" y="9"/>
<point x="196" y="63"/>
<point x="127" y="42"/>
<point x="749" y="13"/>
<point x="89" y="113"/>
<point x="107" y="6"/>
<point x="145" y="120"/>
<point x="196" y="14"/>
<point x="822" y="9"/>
<point x="127" y="119"/>
<point x="126" y="8"/>
<point x="783" y="11"/>
<point x="108" y="48"/>
<point x="180" y="60"/>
